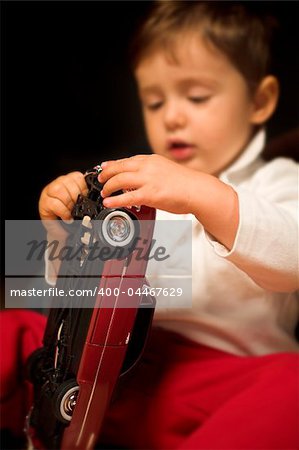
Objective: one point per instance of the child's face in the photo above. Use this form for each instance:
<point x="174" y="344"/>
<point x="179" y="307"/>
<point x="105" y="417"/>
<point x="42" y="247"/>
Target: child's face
<point x="197" y="109"/>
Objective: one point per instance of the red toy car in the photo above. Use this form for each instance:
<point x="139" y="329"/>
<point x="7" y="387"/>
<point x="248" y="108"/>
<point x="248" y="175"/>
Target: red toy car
<point x="88" y="346"/>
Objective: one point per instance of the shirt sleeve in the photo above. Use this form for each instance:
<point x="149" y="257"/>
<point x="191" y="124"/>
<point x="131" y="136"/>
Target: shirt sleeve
<point x="50" y="272"/>
<point x="266" y="243"/>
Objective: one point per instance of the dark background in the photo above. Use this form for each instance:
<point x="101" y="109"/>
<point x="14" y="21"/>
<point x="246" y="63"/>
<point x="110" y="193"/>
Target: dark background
<point x="69" y="99"/>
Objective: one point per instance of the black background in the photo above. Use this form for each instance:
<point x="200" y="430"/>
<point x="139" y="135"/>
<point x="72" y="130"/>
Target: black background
<point x="68" y="97"/>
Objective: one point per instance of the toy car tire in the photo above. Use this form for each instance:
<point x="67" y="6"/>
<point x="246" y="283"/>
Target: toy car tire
<point x="133" y="228"/>
<point x="64" y="400"/>
<point x="34" y="366"/>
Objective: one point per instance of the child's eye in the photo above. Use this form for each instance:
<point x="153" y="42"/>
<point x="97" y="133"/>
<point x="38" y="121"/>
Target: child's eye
<point x="199" y="99"/>
<point x="154" y="105"/>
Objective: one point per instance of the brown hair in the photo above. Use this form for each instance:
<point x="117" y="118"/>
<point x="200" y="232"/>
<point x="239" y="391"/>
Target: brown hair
<point x="237" y="29"/>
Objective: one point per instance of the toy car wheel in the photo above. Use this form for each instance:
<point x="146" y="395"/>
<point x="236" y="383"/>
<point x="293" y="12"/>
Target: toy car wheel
<point x="64" y="400"/>
<point x="117" y="228"/>
<point x="34" y="365"/>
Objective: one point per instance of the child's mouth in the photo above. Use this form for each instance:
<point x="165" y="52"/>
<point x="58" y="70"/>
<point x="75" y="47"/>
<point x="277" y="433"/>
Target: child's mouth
<point x="180" y="150"/>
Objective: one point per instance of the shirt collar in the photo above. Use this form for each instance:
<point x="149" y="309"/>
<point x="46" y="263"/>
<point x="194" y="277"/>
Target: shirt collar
<point x="250" y="154"/>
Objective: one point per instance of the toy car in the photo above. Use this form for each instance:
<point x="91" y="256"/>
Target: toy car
<point x="88" y="345"/>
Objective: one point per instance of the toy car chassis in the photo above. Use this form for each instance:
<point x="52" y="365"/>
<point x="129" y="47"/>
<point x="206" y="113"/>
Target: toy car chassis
<point x="86" y="350"/>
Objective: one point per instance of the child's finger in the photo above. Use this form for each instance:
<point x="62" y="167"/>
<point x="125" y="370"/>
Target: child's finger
<point x="53" y="209"/>
<point x="122" y="165"/>
<point x="74" y="188"/>
<point x="125" y="180"/>
<point x="58" y="191"/>
<point x="105" y="164"/>
<point x="79" y="179"/>
<point x="126" y="199"/>
<point x="74" y="183"/>
<point x="66" y="188"/>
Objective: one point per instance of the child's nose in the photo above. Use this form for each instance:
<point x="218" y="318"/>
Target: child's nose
<point x="174" y="116"/>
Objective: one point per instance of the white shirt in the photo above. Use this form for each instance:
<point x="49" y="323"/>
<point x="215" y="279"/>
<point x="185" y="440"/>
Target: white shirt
<point x="244" y="300"/>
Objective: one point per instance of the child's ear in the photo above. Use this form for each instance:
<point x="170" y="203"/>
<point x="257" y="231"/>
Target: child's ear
<point x="265" y="100"/>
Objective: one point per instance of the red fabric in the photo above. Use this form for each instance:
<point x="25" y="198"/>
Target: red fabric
<point x="182" y="396"/>
<point x="188" y="396"/>
<point x="20" y="333"/>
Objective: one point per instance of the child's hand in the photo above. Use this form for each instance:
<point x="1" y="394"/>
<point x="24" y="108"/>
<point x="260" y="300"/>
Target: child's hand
<point x="164" y="184"/>
<point x="152" y="180"/>
<point x="58" y="198"/>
